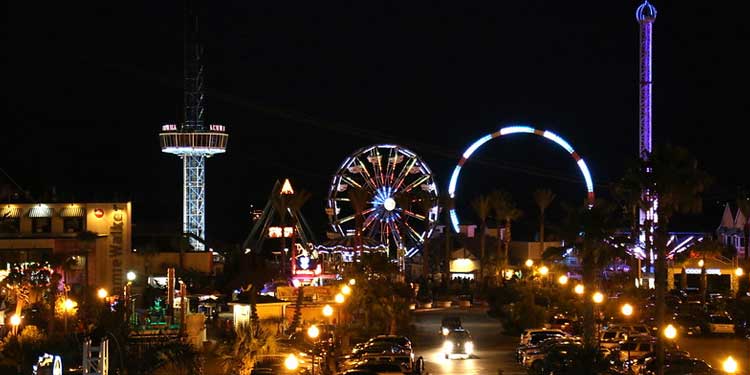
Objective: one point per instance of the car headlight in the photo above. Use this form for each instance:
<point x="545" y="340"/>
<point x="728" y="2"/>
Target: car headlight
<point x="448" y="346"/>
<point x="469" y="347"/>
<point x="445" y="331"/>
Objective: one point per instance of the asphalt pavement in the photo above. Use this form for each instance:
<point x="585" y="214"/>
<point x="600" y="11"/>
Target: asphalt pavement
<point x="493" y="350"/>
<point x="715" y="349"/>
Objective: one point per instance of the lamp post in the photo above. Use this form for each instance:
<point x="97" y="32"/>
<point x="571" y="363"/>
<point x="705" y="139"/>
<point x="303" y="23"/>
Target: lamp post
<point x="328" y="312"/>
<point x="346" y="290"/>
<point x="291" y="362"/>
<point x="313" y="332"/>
<point x="598" y="298"/>
<point x="579" y="289"/>
<point x="15" y="321"/>
<point x="562" y="280"/>
<point x="129" y="300"/>
<point x="102" y="293"/>
<point x="544" y="271"/>
<point x="67" y="306"/>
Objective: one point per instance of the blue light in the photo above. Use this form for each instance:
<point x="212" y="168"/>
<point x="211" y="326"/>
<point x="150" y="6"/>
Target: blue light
<point x="516" y="129"/>
<point x="586" y="175"/>
<point x="454" y="180"/>
<point x="555" y="138"/>
<point x="454" y="220"/>
<point x="476" y="145"/>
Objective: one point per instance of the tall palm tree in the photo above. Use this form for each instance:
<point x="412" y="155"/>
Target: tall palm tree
<point x="426" y="203"/>
<point x="482" y="206"/>
<point x="505" y="210"/>
<point x="628" y="193"/>
<point x="588" y="231"/>
<point x="674" y="177"/>
<point x="447" y="203"/>
<point x="543" y="198"/>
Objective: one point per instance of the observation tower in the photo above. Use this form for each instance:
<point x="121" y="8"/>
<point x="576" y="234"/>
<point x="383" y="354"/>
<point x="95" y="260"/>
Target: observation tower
<point x="193" y="141"/>
<point x="645" y="14"/>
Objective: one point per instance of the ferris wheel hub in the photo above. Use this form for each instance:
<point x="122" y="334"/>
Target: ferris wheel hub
<point x="389" y="204"/>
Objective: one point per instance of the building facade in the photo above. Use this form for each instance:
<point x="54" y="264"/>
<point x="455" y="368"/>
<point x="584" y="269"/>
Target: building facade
<point x="732" y="231"/>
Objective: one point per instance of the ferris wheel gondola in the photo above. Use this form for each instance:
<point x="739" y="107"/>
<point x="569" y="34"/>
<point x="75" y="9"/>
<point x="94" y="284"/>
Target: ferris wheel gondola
<point x="401" y="197"/>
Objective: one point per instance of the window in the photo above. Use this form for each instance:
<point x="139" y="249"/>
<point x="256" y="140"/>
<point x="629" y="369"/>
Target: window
<point x="10" y="225"/>
<point x="72" y="224"/>
<point x="41" y="225"/>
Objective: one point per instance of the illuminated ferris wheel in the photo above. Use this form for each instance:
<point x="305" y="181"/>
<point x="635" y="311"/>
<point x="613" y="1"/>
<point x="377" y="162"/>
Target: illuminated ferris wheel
<point x="398" y="192"/>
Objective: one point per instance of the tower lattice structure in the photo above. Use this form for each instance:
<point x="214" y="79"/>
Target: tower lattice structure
<point x="645" y="15"/>
<point x="193" y="141"/>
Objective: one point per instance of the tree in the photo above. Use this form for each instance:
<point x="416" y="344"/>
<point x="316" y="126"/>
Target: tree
<point x="505" y="210"/>
<point x="448" y="204"/>
<point x="426" y="204"/>
<point x="482" y="206"/>
<point x="543" y="198"/>
<point x="588" y="230"/>
<point x="240" y="355"/>
<point x="743" y="204"/>
<point x="675" y="179"/>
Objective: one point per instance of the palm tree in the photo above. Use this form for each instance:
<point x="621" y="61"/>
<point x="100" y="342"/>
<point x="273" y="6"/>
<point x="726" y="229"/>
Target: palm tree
<point x="588" y="231"/>
<point x="543" y="199"/>
<point x="426" y="203"/>
<point x="505" y="210"/>
<point x="250" y="343"/>
<point x="628" y="193"/>
<point x="674" y="177"/>
<point x="448" y="204"/>
<point x="482" y="205"/>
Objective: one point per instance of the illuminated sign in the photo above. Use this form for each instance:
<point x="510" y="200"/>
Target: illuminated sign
<point x="287" y="188"/>
<point x="169" y="127"/>
<point x="99" y="213"/>
<point x="697" y="271"/>
<point x="217" y="128"/>
<point x="275" y="232"/>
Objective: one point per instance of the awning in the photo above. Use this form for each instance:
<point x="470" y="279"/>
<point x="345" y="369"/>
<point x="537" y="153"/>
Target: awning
<point x="40" y="211"/>
<point x="72" y="212"/>
<point x="10" y="213"/>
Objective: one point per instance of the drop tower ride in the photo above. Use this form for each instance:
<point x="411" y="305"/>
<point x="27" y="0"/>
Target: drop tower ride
<point x="193" y="141"/>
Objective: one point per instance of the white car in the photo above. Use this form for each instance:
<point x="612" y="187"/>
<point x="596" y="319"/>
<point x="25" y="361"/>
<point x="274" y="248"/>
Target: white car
<point x="610" y="339"/>
<point x="720" y="324"/>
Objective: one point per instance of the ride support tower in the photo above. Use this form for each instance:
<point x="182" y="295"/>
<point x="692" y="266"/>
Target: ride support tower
<point x="645" y="15"/>
<point x="192" y="141"/>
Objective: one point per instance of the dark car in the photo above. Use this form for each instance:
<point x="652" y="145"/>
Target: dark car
<point x="449" y="324"/>
<point x="681" y="365"/>
<point x="384" y="368"/>
<point x="458" y="343"/>
<point x="395" y="339"/>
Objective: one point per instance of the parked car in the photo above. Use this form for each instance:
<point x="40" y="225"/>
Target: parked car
<point x="527" y="334"/>
<point x="610" y="339"/>
<point x="539" y="352"/>
<point x="720" y="324"/>
<point x="640" y="329"/>
<point x="680" y="365"/>
<point x="689" y="324"/>
<point x="636" y="347"/>
<point x="382" y="368"/>
<point x="535" y="340"/>
<point x="398" y="340"/>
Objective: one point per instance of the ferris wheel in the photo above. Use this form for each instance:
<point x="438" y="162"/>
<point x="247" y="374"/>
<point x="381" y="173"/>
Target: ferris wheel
<point x="400" y="194"/>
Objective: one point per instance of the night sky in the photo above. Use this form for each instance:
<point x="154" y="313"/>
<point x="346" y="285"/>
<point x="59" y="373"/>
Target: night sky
<point x="301" y="85"/>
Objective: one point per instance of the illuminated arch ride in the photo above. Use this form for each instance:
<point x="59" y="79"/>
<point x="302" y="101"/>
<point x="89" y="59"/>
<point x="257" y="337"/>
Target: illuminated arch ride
<point x="516" y="130"/>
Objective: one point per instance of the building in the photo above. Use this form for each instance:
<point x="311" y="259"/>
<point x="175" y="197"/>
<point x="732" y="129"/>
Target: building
<point x="94" y="239"/>
<point x="733" y="229"/>
<point x="88" y="243"/>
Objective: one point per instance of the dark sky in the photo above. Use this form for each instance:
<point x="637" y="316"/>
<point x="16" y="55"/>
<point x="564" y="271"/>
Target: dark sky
<point x="303" y="84"/>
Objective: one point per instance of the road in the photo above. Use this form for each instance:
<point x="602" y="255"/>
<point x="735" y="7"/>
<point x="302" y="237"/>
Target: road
<point x="494" y="350"/>
<point x="715" y="350"/>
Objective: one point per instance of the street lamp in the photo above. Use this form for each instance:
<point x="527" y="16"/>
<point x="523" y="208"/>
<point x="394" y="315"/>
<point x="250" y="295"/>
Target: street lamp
<point x="327" y="311"/>
<point x="563" y="280"/>
<point x="598" y="297"/>
<point x="627" y="310"/>
<point x="543" y="270"/>
<point x="339" y="298"/>
<point x="130" y="276"/>
<point x="102" y="293"/>
<point x="291" y="362"/>
<point x="15" y="321"/>
<point x="68" y="305"/>
<point x="670" y="332"/>
<point x="738" y="271"/>
<point x="346" y="290"/>
<point x="529" y="263"/>
<point x="313" y="332"/>
<point x="730" y="365"/>
<point x="579" y="289"/>
<point x="701" y="263"/>
<point x="352" y="282"/>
